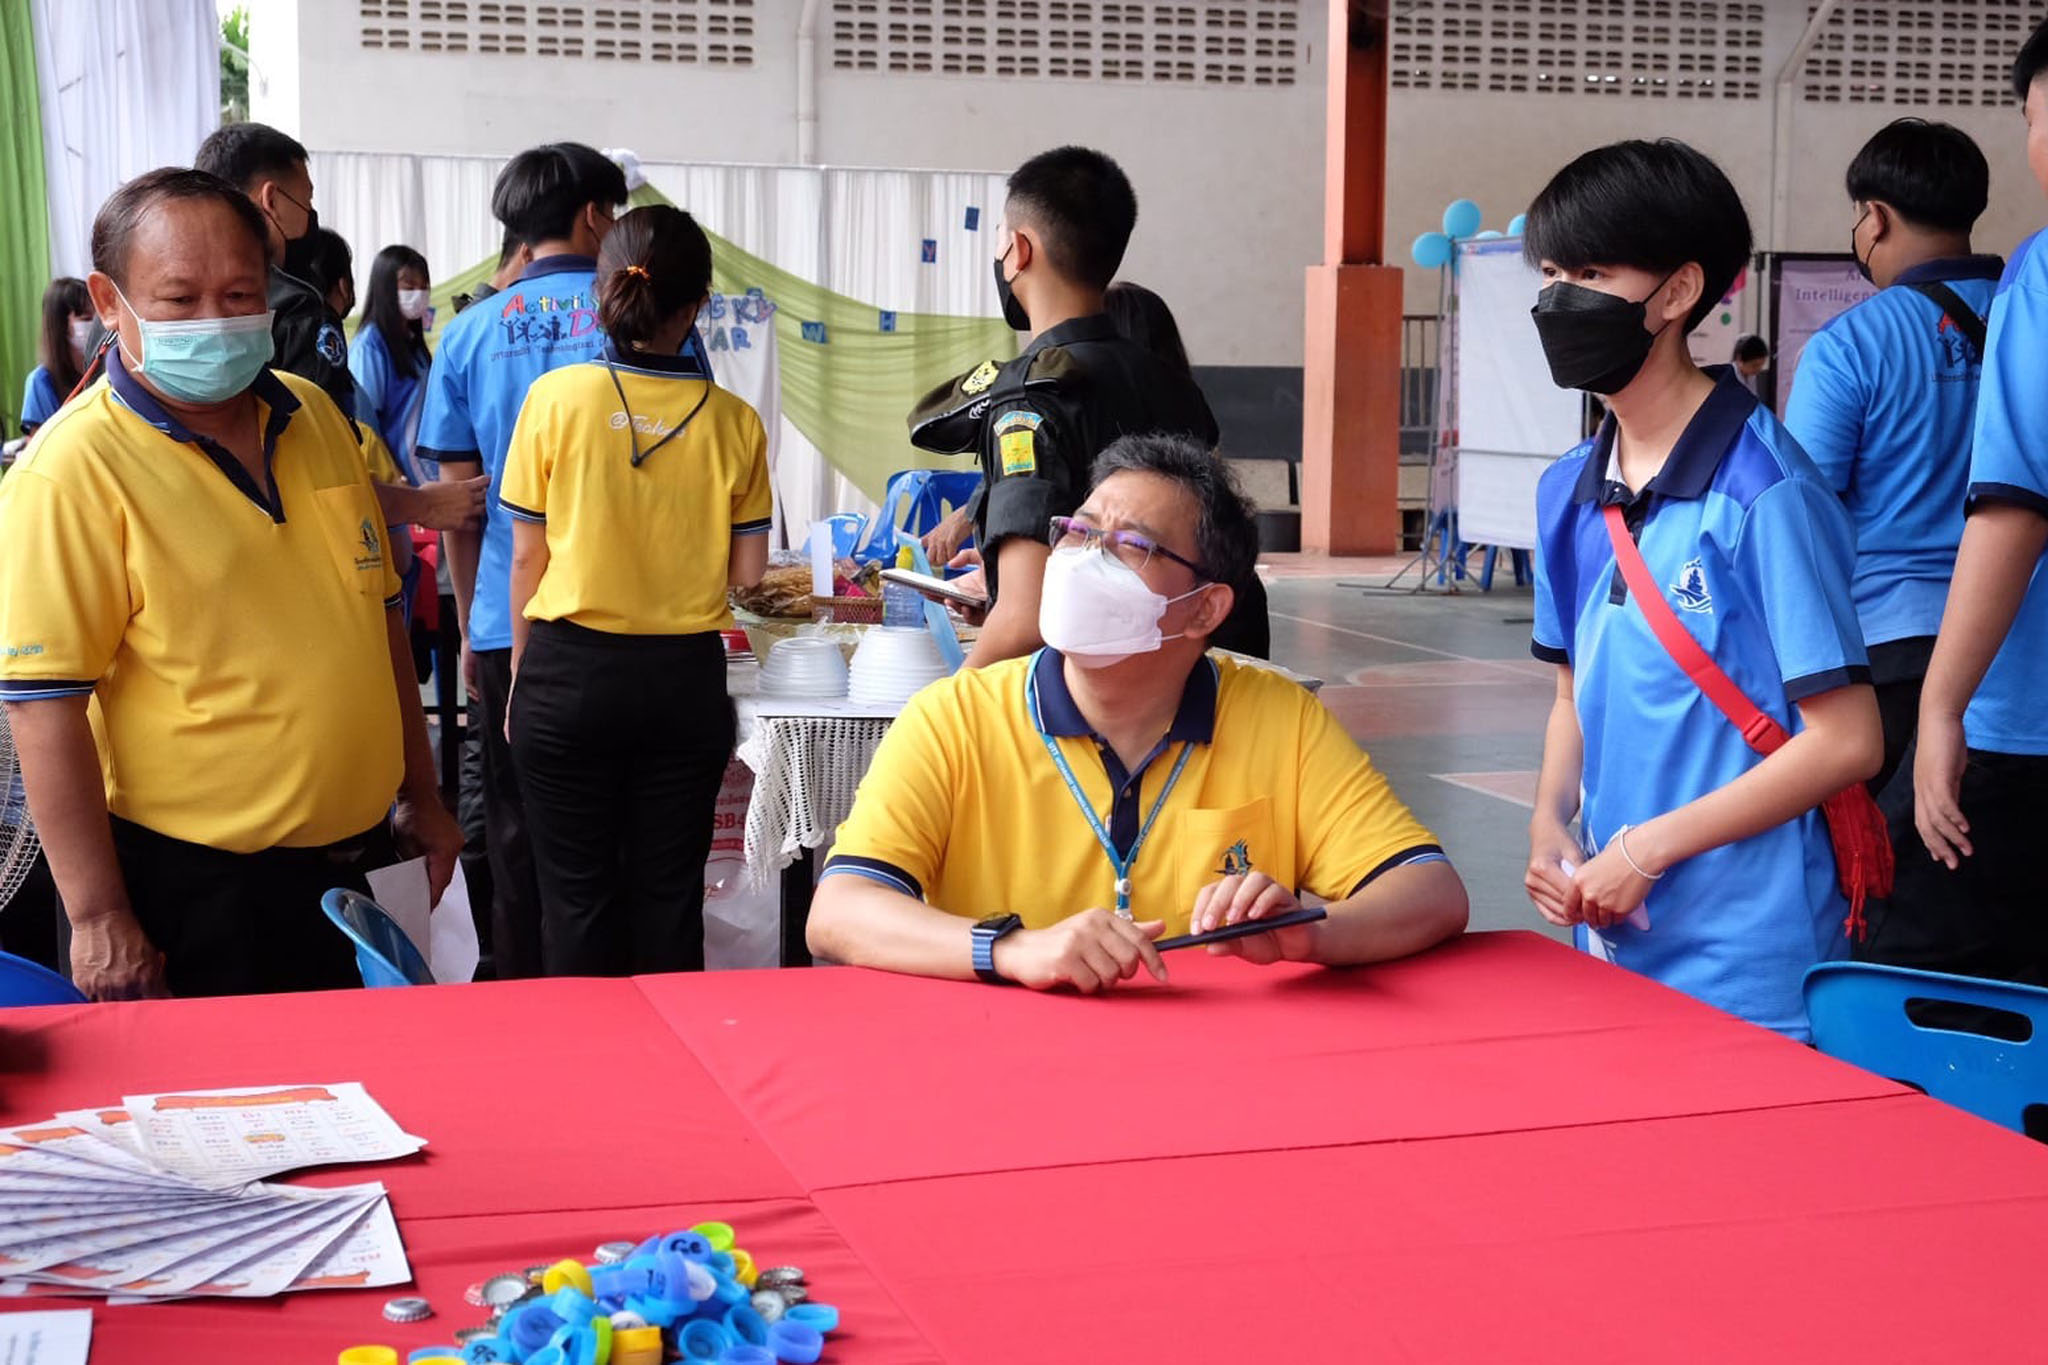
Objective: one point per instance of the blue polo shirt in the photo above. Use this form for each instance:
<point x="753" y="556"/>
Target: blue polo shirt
<point x="1883" y="404"/>
<point x="1755" y="554"/>
<point x="489" y="354"/>
<point x="39" y="399"/>
<point x="2009" y="714"/>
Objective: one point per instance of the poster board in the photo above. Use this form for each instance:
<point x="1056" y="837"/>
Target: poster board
<point x="1512" y="421"/>
<point x="1806" y="293"/>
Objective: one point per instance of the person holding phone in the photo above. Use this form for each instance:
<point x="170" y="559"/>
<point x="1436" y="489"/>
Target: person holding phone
<point x="1044" y="821"/>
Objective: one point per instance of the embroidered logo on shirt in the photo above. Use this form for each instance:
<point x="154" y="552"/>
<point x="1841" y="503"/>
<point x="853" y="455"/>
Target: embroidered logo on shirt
<point x="1690" y="591"/>
<point x="984" y="375"/>
<point x="332" y="348"/>
<point x="1958" y="352"/>
<point x="1237" y="860"/>
<point x="372" y="545"/>
<point x="1017" y="441"/>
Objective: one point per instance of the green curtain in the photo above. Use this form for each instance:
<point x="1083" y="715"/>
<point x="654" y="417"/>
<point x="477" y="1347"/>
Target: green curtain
<point x="24" y="211"/>
<point x="850" y="372"/>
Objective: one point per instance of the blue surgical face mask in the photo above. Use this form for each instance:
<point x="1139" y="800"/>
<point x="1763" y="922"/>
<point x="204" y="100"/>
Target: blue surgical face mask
<point x="202" y="360"/>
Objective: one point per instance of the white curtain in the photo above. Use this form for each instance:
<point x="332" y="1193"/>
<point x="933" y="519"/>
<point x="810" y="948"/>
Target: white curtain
<point x="126" y="86"/>
<point x="862" y="233"/>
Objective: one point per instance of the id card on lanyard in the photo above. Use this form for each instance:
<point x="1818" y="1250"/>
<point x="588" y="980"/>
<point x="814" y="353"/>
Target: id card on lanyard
<point x="1121" y="862"/>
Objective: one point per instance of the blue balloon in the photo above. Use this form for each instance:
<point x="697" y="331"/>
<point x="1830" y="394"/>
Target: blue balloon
<point x="1432" y="251"/>
<point x="1462" y="218"/>
<point x="1486" y="236"/>
<point x="1518" y="224"/>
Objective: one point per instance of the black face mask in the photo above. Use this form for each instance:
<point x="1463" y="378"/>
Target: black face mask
<point x="1862" y="265"/>
<point x="1593" y="341"/>
<point x="1013" y="311"/>
<point x="298" y="256"/>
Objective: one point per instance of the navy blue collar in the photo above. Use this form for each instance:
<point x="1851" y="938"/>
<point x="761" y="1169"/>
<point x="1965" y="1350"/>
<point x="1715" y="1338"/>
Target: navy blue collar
<point x="557" y="265"/>
<point x="1707" y="438"/>
<point x="688" y="365"/>
<point x="279" y="400"/>
<point x="1953" y="268"/>
<point x="1094" y="327"/>
<point x="1194" y="722"/>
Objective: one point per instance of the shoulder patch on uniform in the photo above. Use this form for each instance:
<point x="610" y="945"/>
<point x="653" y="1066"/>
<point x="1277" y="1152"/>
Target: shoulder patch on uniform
<point x="982" y="377"/>
<point x="332" y="348"/>
<point x="1016" y="433"/>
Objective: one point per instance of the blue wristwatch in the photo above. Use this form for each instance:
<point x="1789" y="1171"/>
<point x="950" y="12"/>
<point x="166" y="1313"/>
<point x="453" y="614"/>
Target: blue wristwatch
<point x="986" y="932"/>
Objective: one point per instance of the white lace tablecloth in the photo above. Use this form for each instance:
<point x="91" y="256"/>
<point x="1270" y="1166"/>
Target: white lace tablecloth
<point x="808" y="758"/>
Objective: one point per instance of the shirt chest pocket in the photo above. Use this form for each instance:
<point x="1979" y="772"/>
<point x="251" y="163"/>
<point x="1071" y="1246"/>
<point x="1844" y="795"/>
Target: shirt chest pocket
<point x="354" y="534"/>
<point x="1215" y="842"/>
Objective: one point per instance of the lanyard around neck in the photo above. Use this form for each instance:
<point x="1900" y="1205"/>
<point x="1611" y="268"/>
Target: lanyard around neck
<point x="640" y="456"/>
<point x="1122" y="862"/>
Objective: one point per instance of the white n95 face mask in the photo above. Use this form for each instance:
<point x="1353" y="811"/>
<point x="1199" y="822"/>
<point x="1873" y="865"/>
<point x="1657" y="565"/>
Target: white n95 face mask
<point x="1097" y="611"/>
<point x="413" y="303"/>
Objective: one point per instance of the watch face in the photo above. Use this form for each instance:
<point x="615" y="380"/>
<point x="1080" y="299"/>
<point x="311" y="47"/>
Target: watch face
<point x="1001" y="924"/>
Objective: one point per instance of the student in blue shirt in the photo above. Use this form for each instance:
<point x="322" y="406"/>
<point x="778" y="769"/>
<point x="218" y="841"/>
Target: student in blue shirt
<point x="66" y="334"/>
<point x="1724" y="850"/>
<point x="1979" y="906"/>
<point x="1887" y="390"/>
<point x="389" y="356"/>
<point x="562" y="198"/>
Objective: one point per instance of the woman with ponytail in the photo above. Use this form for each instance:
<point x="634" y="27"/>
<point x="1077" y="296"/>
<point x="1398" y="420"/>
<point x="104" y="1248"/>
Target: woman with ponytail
<point x="639" y="492"/>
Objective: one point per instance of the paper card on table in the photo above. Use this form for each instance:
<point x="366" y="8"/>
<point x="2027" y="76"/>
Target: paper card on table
<point x="369" y="1256"/>
<point x="32" y="1162"/>
<point x="63" y="1337"/>
<point x="221" y="1137"/>
<point x="267" y="1263"/>
<point x="112" y="1125"/>
<point x="97" y="1259"/>
<point x="403" y="891"/>
<point x="67" y="1220"/>
<point x="452" y="928"/>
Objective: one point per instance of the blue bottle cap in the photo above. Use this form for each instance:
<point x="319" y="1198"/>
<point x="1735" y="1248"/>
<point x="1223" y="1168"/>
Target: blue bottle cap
<point x="743" y="1322"/>
<point x="611" y="1281"/>
<point x="822" y="1316"/>
<point x="704" y="1340"/>
<point x="572" y="1305"/>
<point x="695" y="1245"/>
<point x="745" y="1354"/>
<point x="529" y="1326"/>
<point x="795" y="1343"/>
<point x="730" y="1291"/>
<point x="436" y="1352"/>
<point x="490" y="1351"/>
<point x="546" y="1355"/>
<point x="722" y="1263"/>
<point x="657" y="1312"/>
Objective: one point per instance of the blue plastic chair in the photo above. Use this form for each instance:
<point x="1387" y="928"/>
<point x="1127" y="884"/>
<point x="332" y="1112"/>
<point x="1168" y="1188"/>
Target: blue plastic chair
<point x="916" y="501"/>
<point x="384" y="955"/>
<point x="1859" y="1014"/>
<point x="846" y="529"/>
<point x="27" y="983"/>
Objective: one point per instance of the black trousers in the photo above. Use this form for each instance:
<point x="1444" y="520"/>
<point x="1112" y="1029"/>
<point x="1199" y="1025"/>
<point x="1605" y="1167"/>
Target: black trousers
<point x="1989" y="917"/>
<point x="244" y="923"/>
<point x="621" y="743"/>
<point x="1898" y="668"/>
<point x="515" y="893"/>
<point x="476" y="853"/>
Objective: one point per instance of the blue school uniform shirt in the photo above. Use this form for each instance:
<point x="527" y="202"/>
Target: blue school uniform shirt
<point x="389" y="400"/>
<point x="1883" y="403"/>
<point x="1754" y="553"/>
<point x="2009" y="464"/>
<point x="490" y="354"/>
<point x="39" y="399"/>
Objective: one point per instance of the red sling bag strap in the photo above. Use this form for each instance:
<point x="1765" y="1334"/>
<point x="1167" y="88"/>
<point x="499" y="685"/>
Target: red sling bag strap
<point x="1863" y="849"/>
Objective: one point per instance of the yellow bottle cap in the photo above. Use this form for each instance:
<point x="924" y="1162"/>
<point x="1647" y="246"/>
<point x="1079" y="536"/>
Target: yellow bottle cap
<point x="743" y="1268"/>
<point x="367" y="1355"/>
<point x="637" y="1346"/>
<point x="567" y="1275"/>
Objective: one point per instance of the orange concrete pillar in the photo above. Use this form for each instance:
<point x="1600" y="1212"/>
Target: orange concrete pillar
<point x="1351" y="365"/>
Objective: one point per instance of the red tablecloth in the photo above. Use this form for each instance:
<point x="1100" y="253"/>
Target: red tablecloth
<point x="1500" y="1149"/>
<point x="857" y="1077"/>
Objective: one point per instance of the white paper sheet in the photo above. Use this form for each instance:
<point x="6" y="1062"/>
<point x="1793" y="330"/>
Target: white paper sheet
<point x="444" y="933"/>
<point x="401" y="890"/>
<point x="59" y="1338"/>
<point x="224" y="1137"/>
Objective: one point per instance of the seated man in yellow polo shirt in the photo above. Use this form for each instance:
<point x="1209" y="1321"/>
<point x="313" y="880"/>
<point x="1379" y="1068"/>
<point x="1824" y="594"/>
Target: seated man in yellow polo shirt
<point x="199" y="644"/>
<point x="1044" y="820"/>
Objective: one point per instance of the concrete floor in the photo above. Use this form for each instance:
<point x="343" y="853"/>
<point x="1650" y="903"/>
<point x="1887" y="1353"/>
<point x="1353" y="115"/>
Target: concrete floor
<point x="1441" y="691"/>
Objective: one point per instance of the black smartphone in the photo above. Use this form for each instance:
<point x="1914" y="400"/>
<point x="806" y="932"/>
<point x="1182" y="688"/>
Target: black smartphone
<point x="1244" y="929"/>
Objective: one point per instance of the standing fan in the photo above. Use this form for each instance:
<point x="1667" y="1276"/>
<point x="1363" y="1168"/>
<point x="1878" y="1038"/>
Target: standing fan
<point x="18" y="843"/>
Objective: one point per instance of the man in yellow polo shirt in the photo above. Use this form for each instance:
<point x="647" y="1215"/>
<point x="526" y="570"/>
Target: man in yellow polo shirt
<point x="1044" y="820"/>
<point x="199" y="648"/>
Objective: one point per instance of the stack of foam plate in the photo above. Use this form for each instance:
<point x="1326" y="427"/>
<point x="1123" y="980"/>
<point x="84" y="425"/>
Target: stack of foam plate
<point x="892" y="664"/>
<point x="804" y="669"/>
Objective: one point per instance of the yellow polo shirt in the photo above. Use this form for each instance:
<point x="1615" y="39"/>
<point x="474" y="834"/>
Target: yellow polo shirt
<point x="637" y="549"/>
<point x="965" y="808"/>
<point x="232" y="638"/>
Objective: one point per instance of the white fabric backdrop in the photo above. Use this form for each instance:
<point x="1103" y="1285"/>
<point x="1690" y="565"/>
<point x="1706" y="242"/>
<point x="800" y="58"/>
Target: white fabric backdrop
<point x="126" y="86"/>
<point x="858" y="232"/>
